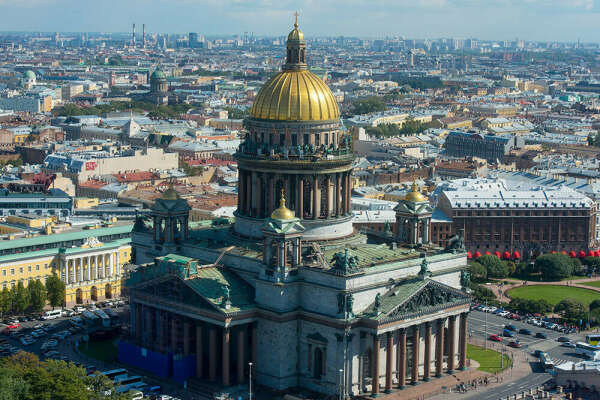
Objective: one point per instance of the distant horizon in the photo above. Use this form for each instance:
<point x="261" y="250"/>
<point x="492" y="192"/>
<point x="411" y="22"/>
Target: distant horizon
<point x="308" y="37"/>
<point x="565" y="21"/>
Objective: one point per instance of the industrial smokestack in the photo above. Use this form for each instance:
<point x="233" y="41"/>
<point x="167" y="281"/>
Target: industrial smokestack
<point x="133" y="38"/>
<point x="144" y="35"/>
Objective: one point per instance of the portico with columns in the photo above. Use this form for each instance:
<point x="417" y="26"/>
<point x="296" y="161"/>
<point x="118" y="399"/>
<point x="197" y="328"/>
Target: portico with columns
<point x="93" y="271"/>
<point x="414" y="338"/>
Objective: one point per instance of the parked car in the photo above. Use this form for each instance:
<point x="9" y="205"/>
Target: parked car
<point x="508" y="333"/>
<point x="568" y="344"/>
<point x="510" y="327"/>
<point x="541" y="335"/>
<point x="495" y="338"/>
<point x="515" y="344"/>
<point x="563" y="339"/>
<point x="524" y="331"/>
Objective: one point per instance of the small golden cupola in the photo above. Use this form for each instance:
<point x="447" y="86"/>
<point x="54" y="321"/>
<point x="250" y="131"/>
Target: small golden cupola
<point x="282" y="213"/>
<point x="414" y="196"/>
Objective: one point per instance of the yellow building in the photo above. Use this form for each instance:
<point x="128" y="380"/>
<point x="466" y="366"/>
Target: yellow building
<point x="85" y="202"/>
<point x="91" y="269"/>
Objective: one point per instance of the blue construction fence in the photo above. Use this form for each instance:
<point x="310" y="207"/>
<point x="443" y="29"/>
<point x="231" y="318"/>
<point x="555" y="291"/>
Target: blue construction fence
<point x="168" y="365"/>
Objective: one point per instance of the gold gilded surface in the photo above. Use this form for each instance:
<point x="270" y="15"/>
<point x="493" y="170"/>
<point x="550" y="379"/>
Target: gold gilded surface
<point x="295" y="96"/>
<point x="282" y="213"/>
<point x="296" y="34"/>
<point x="414" y="196"/>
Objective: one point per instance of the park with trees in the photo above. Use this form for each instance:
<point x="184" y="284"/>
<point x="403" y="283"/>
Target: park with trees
<point x="572" y="304"/>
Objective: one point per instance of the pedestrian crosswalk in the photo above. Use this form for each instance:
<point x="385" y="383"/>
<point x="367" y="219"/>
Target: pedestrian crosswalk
<point x="559" y="361"/>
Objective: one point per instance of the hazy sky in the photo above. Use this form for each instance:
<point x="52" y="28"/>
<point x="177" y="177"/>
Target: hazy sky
<point x="562" y="20"/>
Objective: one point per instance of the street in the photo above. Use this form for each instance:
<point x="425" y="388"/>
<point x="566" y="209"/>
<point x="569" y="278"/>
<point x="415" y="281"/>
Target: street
<point x="481" y="326"/>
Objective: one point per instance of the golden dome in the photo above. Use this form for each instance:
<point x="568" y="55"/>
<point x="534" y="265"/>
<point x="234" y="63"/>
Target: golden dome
<point x="414" y="196"/>
<point x="296" y="34"/>
<point x="282" y="213"/>
<point x="295" y="96"/>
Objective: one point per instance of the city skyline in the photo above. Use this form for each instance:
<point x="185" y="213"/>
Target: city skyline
<point x="534" y="20"/>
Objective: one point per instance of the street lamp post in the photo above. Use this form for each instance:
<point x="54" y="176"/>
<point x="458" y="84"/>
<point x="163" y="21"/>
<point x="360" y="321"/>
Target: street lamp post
<point x="250" y="382"/>
<point x="485" y="329"/>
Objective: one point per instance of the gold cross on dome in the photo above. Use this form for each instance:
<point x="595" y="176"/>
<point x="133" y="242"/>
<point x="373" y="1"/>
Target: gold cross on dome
<point x="296" y="15"/>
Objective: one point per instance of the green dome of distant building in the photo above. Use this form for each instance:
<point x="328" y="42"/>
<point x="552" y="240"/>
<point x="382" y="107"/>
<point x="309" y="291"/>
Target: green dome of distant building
<point x="29" y="74"/>
<point x="158" y="75"/>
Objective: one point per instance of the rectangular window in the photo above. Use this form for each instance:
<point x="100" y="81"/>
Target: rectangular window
<point x="306" y="139"/>
<point x="20" y="270"/>
<point x="281" y="139"/>
<point x="29" y="268"/>
<point x="326" y="141"/>
<point x="3" y="272"/>
<point x="37" y="267"/>
<point x="12" y="271"/>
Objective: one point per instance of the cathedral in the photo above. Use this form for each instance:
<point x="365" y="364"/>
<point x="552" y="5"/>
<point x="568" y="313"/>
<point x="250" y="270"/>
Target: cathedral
<point x="291" y="291"/>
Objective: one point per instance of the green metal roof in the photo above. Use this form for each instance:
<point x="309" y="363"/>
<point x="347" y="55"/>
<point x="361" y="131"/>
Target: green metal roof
<point x="397" y="296"/>
<point x="65" y="237"/>
<point x="54" y="251"/>
<point x="210" y="283"/>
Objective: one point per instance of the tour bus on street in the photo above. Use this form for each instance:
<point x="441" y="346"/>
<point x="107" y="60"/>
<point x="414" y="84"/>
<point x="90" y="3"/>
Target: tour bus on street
<point x="593" y="339"/>
<point x="588" y="350"/>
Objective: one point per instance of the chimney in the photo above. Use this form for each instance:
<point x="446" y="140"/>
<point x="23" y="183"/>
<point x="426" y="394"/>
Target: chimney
<point x="133" y="36"/>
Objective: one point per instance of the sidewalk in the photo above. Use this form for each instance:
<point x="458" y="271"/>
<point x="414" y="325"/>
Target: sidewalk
<point x="520" y="369"/>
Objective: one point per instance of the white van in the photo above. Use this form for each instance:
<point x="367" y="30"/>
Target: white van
<point x="52" y="314"/>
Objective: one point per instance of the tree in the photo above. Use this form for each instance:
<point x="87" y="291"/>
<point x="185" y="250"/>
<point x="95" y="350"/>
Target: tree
<point x="20" y="298"/>
<point x="482" y="294"/>
<point x="478" y="271"/>
<point x="494" y="266"/>
<point x="512" y="267"/>
<point x="5" y="301"/>
<point x="56" y="291"/>
<point x="368" y="105"/>
<point x="27" y="377"/>
<point x="571" y="309"/>
<point x="592" y="264"/>
<point x="37" y="295"/>
<point x="554" y="267"/>
<point x="594" y="308"/>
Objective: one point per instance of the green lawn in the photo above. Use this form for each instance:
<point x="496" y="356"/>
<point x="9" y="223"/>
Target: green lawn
<point x="594" y="283"/>
<point x="554" y="293"/>
<point x="105" y="350"/>
<point x="489" y="360"/>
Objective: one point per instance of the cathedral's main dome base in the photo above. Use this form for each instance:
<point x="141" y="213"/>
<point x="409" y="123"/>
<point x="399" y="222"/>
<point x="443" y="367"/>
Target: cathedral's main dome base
<point x="315" y="230"/>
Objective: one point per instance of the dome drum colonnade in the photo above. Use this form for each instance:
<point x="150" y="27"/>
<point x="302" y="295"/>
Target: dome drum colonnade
<point x="294" y="142"/>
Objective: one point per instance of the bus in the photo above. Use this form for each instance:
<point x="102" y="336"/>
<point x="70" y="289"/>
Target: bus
<point x="593" y="339"/>
<point x="132" y="382"/>
<point x="127" y="380"/>
<point x="114" y="374"/>
<point x="52" y="314"/>
<point x="114" y="317"/>
<point x="587" y="350"/>
<point x="546" y="361"/>
<point x="90" y="318"/>
<point x="105" y="318"/>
